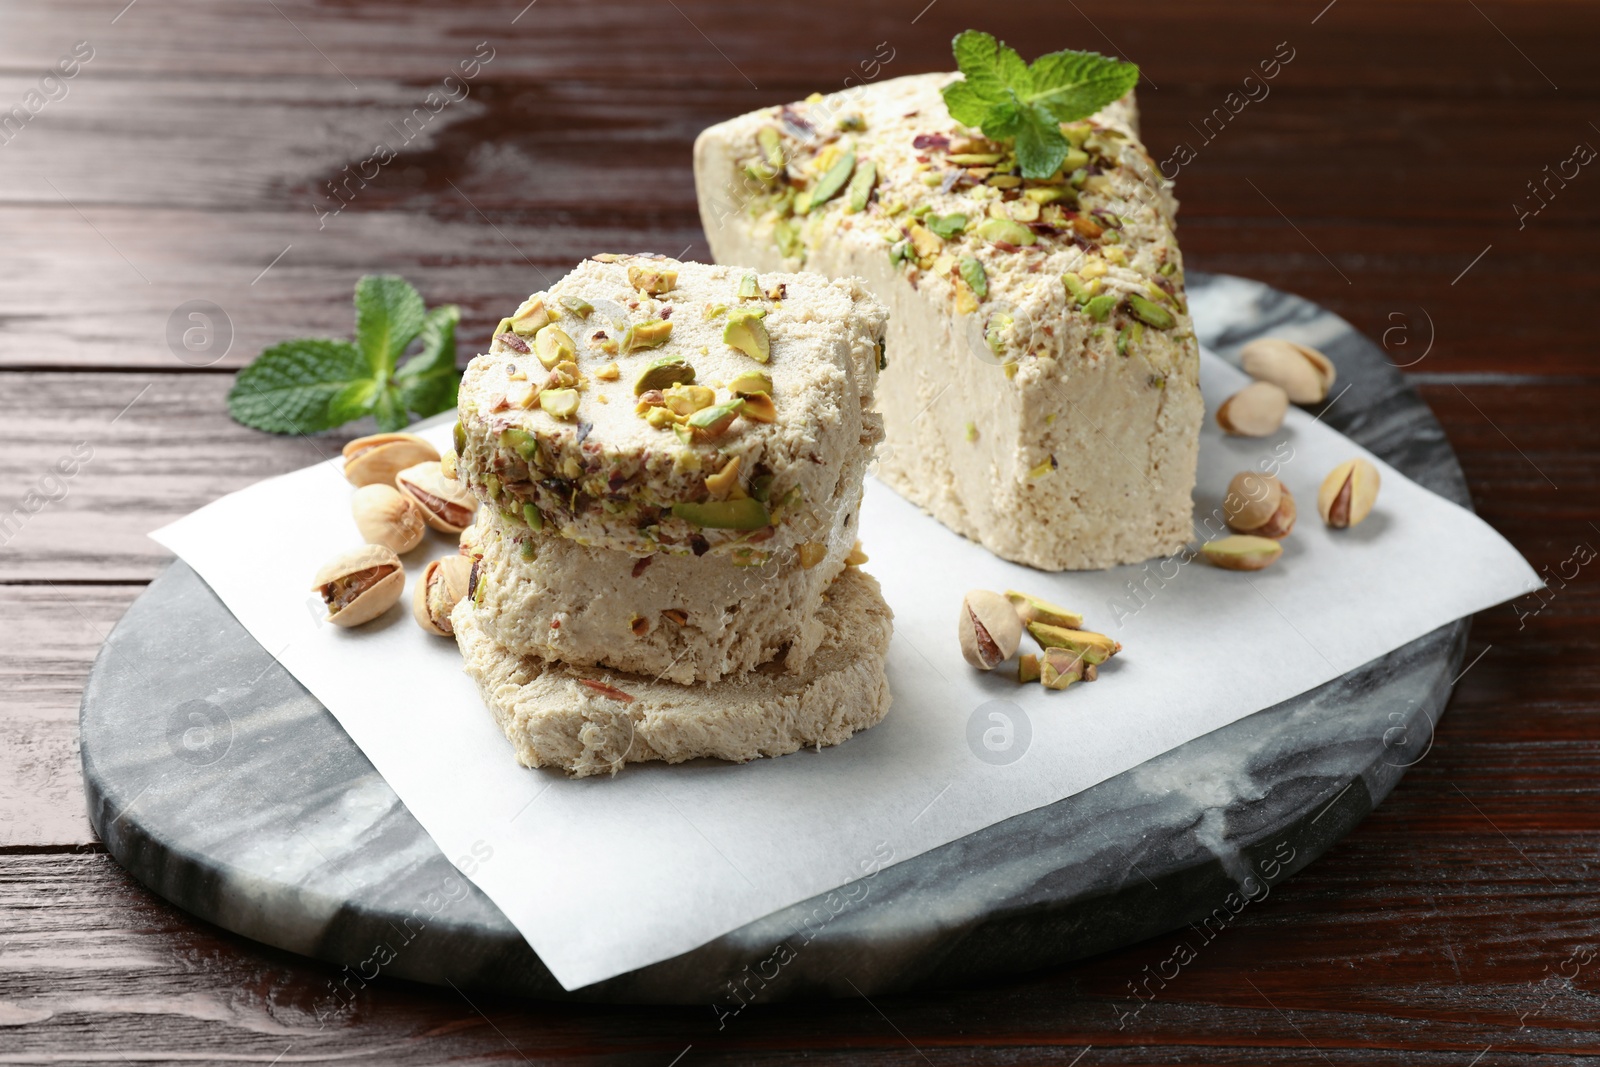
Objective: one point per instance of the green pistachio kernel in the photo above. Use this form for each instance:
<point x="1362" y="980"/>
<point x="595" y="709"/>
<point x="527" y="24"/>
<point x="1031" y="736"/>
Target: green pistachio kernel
<point x="830" y="183"/>
<point x="1150" y="313"/>
<point x="1005" y="230"/>
<point x="577" y="305"/>
<point x="1075" y="288"/>
<point x="532" y="516"/>
<point x="947" y="226"/>
<point x="1098" y="308"/>
<point x="749" y="382"/>
<point x="787" y="238"/>
<point x="651" y="334"/>
<point x="746" y="332"/>
<point x="975" y="276"/>
<point x="771" y="146"/>
<point x="663" y="373"/>
<point x="746" y="514"/>
<point x="552" y="345"/>
<point x="460" y="437"/>
<point x="520" y="441"/>
<point x="560" y="403"/>
<point x="861" y="185"/>
<point x="749" y="287"/>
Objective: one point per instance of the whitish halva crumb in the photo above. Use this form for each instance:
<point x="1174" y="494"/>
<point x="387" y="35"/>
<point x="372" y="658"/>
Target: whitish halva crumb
<point x="1042" y="388"/>
<point x="591" y="721"/>
<point x="648" y="405"/>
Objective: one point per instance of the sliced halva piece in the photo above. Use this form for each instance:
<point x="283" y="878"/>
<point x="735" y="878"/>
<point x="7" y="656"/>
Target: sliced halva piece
<point x="592" y="721"/>
<point x="1042" y="389"/>
<point x="677" y="617"/>
<point x="648" y="405"/>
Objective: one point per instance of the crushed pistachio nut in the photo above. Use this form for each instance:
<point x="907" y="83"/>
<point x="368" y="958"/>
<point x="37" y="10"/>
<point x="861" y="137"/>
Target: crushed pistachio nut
<point x="560" y="403"/>
<point x="710" y="423"/>
<point x="531" y="317"/>
<point x="664" y="372"/>
<point x="609" y="373"/>
<point x="652" y="280"/>
<point x="651" y="334"/>
<point x="829" y="184"/>
<point x="747" y="332"/>
<point x="811" y="554"/>
<point x="687" y="399"/>
<point x="552" y="345"/>
<point x="723" y="483"/>
<point x="975" y="276"/>
<point x="749" y="289"/>
<point x="866" y="177"/>
<point x="746" y="514"/>
<point x="577" y="305"/>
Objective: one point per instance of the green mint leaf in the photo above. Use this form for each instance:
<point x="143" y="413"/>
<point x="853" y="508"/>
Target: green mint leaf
<point x="389" y="314"/>
<point x="426" y="384"/>
<point x="965" y="105"/>
<point x="1003" y="120"/>
<point x="977" y="57"/>
<point x="1010" y="100"/>
<point x="292" y="387"/>
<point x="1041" y="148"/>
<point x="1074" y="85"/>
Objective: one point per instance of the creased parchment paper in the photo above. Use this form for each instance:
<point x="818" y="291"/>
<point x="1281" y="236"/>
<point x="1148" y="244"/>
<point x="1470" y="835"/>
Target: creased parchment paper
<point x="605" y="875"/>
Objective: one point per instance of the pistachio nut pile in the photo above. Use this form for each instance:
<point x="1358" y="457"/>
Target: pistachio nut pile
<point x="1261" y="511"/>
<point x="990" y="630"/>
<point x="402" y="490"/>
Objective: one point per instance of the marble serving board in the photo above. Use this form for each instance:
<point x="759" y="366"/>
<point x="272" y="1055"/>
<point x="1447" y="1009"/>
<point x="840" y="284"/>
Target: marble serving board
<point x="254" y="810"/>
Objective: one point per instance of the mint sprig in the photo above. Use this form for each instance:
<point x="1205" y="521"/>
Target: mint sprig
<point x="1009" y="100"/>
<point x="314" y="384"/>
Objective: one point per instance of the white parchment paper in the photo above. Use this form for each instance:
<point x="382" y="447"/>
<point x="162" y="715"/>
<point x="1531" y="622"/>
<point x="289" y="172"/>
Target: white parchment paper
<point x="605" y="875"/>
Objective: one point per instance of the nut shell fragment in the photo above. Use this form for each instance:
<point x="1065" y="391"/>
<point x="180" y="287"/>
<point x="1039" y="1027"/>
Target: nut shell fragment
<point x="1257" y="410"/>
<point x="1303" y="373"/>
<point x="439" y="590"/>
<point x="446" y="504"/>
<point x="378" y="458"/>
<point x="989" y="629"/>
<point x="361" y="584"/>
<point x="1348" y="493"/>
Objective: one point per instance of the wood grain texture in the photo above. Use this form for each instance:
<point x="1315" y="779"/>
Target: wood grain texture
<point x="191" y="159"/>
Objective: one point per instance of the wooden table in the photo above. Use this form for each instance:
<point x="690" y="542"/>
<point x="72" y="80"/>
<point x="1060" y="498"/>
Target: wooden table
<point x="1384" y="172"/>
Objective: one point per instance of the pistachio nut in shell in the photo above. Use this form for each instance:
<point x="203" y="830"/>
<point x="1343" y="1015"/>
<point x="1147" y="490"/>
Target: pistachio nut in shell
<point x="361" y="584"/>
<point x="1258" y="504"/>
<point x="1242" y="552"/>
<point x="442" y="586"/>
<point x="1303" y="373"/>
<point x="1257" y="410"/>
<point x="446" y="505"/>
<point x="378" y="458"/>
<point x="1348" y="493"/>
<point x="385" y="516"/>
<point x="989" y="629"/>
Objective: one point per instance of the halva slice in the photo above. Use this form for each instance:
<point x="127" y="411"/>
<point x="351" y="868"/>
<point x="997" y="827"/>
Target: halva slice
<point x="649" y="406"/>
<point x="1042" y="389"/>
<point x="677" y="617"/>
<point x="592" y="721"/>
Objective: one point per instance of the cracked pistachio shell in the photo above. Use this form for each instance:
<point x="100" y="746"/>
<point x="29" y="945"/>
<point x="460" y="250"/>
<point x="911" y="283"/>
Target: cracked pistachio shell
<point x="361" y="584"/>
<point x="442" y="586"/>
<point x="375" y="460"/>
<point x="989" y="629"/>
<point x="446" y="504"/>
<point x="1303" y="373"/>
<point x="387" y="517"/>
<point x="1348" y="493"/>
<point x="1257" y="410"/>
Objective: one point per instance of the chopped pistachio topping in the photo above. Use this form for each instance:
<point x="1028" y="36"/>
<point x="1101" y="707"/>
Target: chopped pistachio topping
<point x="975" y="276"/>
<point x="651" y="334"/>
<point x="560" y="403"/>
<point x="552" y="345"/>
<point x="829" y="184"/>
<point x="749" y="289"/>
<point x="664" y="372"/>
<point x="746" y="332"/>
<point x="746" y="514"/>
